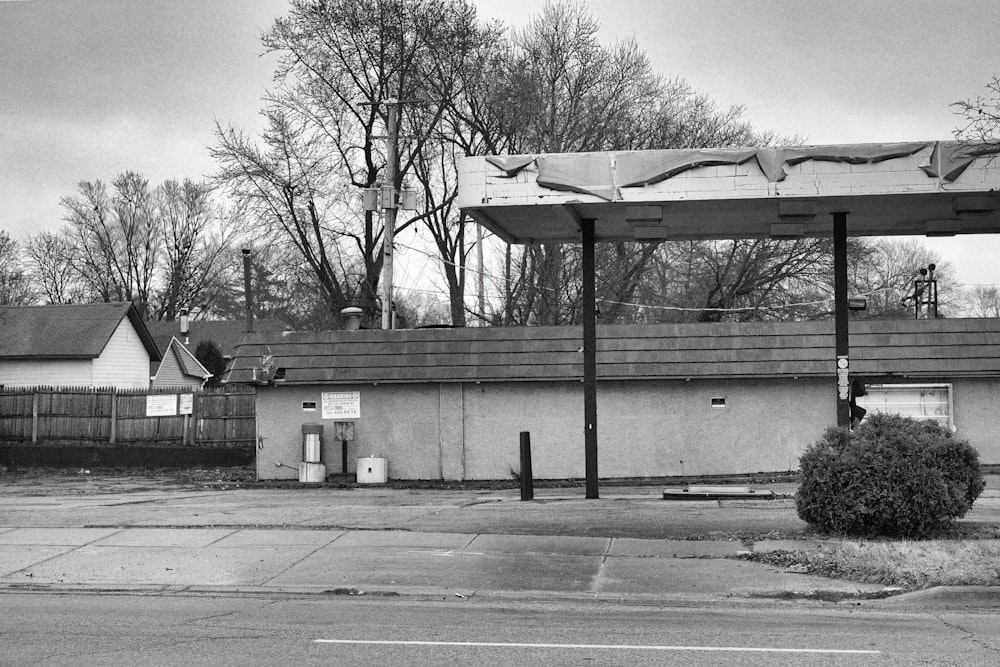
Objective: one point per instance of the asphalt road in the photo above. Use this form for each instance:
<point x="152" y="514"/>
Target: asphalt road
<point x="46" y="629"/>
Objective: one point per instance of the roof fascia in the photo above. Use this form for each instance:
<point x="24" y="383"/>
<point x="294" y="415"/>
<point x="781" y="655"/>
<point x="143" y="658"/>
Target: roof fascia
<point x="140" y="327"/>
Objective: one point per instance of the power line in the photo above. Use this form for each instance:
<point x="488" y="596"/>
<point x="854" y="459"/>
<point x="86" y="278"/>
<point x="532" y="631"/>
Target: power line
<point x="740" y="309"/>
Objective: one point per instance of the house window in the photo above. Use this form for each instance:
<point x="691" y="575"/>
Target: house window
<point x="919" y="401"/>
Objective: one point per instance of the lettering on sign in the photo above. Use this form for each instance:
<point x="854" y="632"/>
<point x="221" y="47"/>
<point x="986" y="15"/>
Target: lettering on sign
<point x="161" y="405"/>
<point x="342" y="405"/>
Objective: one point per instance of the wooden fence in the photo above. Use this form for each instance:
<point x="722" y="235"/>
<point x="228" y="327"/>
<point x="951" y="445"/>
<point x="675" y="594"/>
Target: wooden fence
<point x="216" y="418"/>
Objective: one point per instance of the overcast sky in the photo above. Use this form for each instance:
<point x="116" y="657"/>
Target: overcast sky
<point x="90" y="88"/>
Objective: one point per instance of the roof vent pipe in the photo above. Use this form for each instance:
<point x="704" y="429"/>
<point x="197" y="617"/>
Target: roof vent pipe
<point x="352" y="318"/>
<point x="185" y="325"/>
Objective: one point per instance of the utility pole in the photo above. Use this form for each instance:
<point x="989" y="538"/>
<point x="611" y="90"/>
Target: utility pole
<point x="386" y="196"/>
<point x="390" y="201"/>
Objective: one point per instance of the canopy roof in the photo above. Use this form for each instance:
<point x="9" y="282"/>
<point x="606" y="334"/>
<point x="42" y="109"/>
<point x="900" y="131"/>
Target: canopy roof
<point x="933" y="188"/>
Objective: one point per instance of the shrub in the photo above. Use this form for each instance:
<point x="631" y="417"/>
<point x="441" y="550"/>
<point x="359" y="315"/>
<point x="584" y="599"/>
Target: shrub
<point x="210" y="356"/>
<point x="891" y="476"/>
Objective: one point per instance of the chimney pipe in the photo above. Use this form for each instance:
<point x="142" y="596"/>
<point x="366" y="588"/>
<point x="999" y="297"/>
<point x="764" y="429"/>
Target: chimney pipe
<point x="248" y="289"/>
<point x="352" y="318"/>
<point x="185" y="325"/>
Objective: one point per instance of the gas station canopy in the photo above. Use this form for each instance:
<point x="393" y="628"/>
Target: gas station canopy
<point x="935" y="188"/>
<point x="932" y="188"/>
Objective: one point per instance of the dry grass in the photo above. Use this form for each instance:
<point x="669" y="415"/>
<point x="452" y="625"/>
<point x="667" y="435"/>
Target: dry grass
<point x="908" y="564"/>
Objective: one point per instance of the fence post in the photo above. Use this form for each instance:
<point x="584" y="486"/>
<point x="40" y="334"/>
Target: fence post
<point x="192" y="433"/>
<point x="34" y="417"/>
<point x="527" y="482"/>
<point x="113" y="437"/>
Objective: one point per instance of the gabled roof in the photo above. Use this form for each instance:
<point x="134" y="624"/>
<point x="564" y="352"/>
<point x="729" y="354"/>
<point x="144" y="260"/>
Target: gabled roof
<point x="186" y="360"/>
<point x="73" y="331"/>
<point x="913" y="348"/>
<point x="224" y="333"/>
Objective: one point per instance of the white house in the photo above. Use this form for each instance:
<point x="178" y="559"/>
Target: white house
<point x="92" y="345"/>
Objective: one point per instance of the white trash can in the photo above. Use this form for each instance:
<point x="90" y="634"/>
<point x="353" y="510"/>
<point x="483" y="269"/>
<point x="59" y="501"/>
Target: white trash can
<point x="373" y="470"/>
<point x="312" y="472"/>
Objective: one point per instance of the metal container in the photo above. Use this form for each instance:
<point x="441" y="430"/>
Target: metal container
<point x="312" y="443"/>
<point x="373" y="470"/>
<point x="312" y="472"/>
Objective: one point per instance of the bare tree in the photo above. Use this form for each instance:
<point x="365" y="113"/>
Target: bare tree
<point x="50" y="262"/>
<point x="739" y="280"/>
<point x="884" y="269"/>
<point x="116" y="236"/>
<point x="196" y="234"/>
<point x="289" y="190"/>
<point x="434" y="169"/>
<point x="283" y="289"/>
<point x="559" y="90"/>
<point x="15" y="286"/>
<point x="983" y="301"/>
<point x="342" y="64"/>
<point x="981" y="118"/>
<point x="159" y="248"/>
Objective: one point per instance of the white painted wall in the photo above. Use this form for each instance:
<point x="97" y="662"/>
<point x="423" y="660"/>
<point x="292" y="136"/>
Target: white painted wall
<point x="472" y="431"/>
<point x="31" y="373"/>
<point x="124" y="361"/>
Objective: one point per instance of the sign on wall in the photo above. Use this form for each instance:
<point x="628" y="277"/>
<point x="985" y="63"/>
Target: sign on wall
<point x="919" y="401"/>
<point x="185" y="404"/>
<point x="342" y="405"/>
<point x="161" y="405"/>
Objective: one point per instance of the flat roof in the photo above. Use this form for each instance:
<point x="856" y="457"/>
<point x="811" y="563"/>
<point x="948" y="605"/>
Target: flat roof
<point x="937" y="188"/>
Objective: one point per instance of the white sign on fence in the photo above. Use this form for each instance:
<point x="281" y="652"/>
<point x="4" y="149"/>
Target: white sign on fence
<point x="161" y="405"/>
<point x="185" y="404"/>
<point x="342" y="405"/>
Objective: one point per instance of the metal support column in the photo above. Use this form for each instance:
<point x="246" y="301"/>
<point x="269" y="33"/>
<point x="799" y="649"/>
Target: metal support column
<point x="589" y="359"/>
<point x="841" y="314"/>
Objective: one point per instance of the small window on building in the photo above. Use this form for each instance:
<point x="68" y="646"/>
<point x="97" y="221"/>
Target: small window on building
<point x="919" y="401"/>
<point x="718" y="401"/>
<point x="309" y="406"/>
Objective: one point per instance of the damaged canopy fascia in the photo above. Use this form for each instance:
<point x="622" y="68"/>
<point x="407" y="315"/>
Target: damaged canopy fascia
<point x="913" y="188"/>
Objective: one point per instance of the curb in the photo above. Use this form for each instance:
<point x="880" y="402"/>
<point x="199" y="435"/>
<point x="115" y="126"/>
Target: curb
<point x="846" y="594"/>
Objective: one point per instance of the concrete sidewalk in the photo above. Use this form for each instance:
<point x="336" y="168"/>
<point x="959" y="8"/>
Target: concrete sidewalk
<point x="629" y="544"/>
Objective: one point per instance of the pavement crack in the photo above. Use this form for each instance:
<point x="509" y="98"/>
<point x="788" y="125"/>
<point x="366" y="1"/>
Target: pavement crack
<point x="595" y="586"/>
<point x="211" y="617"/>
<point x="479" y="501"/>
<point x="969" y="635"/>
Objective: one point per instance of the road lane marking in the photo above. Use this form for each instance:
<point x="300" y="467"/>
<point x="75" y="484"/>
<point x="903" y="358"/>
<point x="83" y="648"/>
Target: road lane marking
<point x="631" y="647"/>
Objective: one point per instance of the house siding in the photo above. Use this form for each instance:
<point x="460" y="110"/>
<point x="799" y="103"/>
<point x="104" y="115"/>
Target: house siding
<point x="47" y="372"/>
<point x="170" y="374"/>
<point x="124" y="362"/>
